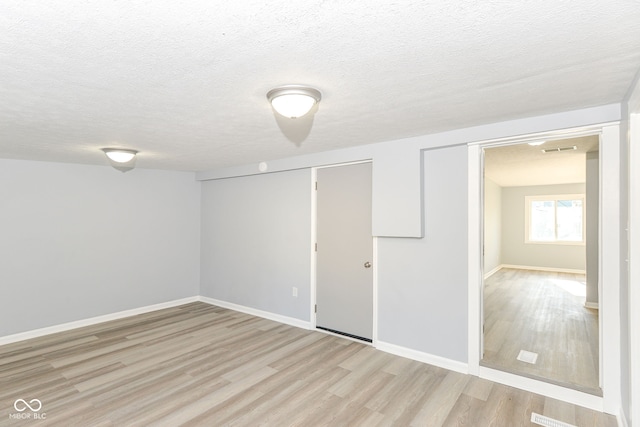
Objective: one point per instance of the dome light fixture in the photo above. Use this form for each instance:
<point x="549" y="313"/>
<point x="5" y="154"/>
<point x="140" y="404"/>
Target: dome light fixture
<point x="536" y="143"/>
<point x="293" y="101"/>
<point x="120" y="155"/>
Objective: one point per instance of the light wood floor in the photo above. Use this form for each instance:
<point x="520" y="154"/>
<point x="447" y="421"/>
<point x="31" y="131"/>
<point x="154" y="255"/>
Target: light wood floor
<point x="203" y="365"/>
<point x="539" y="312"/>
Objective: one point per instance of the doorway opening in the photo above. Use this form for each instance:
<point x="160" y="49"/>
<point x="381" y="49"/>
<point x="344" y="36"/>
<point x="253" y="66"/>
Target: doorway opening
<point x="540" y="296"/>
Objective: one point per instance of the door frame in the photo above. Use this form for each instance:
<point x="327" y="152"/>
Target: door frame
<point x="314" y="262"/>
<point x="633" y="229"/>
<point x="608" y="274"/>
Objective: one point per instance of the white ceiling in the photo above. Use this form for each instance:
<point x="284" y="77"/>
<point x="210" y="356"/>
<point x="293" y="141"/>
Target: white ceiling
<point x="524" y="165"/>
<point x="185" y="82"/>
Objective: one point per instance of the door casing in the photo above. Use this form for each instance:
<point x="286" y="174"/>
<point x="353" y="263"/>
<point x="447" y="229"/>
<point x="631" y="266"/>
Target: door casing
<point x="609" y="273"/>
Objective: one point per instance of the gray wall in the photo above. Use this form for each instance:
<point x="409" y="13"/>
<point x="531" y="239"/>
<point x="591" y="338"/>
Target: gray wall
<point x="422" y="283"/>
<point x="83" y="241"/>
<point x="397" y="191"/>
<point x="397" y="168"/>
<point x="492" y="225"/>
<point x="592" y="213"/>
<point x="256" y="241"/>
<point x="147" y="222"/>
<point x="515" y="251"/>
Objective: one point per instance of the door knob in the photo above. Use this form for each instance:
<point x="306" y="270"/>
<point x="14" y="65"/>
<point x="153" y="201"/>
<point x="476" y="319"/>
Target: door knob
<point x="367" y="264"/>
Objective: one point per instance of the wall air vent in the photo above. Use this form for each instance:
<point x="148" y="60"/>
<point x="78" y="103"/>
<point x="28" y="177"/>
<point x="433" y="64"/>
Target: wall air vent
<point x="553" y="150"/>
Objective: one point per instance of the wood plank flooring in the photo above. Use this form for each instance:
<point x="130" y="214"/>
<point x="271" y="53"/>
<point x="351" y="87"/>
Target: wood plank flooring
<point x="201" y="365"/>
<point x="544" y="313"/>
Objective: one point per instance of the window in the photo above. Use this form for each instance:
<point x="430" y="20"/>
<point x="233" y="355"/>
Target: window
<point x="555" y="219"/>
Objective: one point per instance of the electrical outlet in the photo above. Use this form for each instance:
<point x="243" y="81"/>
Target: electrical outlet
<point x="294" y="291"/>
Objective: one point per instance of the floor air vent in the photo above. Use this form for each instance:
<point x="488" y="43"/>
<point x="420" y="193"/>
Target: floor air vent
<point x="527" y="356"/>
<point x="541" y="420"/>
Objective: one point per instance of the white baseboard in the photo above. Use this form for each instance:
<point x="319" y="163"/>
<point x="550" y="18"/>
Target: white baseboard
<point x="593" y="305"/>
<point x="622" y="419"/>
<point x="255" y="312"/>
<point x="553" y="391"/>
<point x="546" y="389"/>
<point x="535" y="268"/>
<point x="8" y="339"/>
<point x="492" y="272"/>
<point x="441" y="362"/>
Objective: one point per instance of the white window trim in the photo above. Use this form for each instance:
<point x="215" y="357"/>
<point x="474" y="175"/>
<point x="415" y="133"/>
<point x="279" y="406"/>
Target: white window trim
<point x="555" y="198"/>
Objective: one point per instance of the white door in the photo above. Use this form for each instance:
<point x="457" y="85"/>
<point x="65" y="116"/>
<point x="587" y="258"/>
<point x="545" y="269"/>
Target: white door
<point x="344" y="274"/>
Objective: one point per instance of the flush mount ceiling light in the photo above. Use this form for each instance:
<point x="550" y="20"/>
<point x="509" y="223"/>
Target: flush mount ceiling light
<point x="120" y="155"/>
<point x="292" y="100"/>
<point x="536" y="143"/>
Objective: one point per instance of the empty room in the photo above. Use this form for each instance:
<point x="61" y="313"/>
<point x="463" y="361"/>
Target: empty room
<point x="541" y="296"/>
<point x="319" y="214"/>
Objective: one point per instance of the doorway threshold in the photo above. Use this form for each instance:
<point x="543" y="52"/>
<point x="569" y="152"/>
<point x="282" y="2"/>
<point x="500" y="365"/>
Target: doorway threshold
<point x="577" y="387"/>
<point x="345" y="334"/>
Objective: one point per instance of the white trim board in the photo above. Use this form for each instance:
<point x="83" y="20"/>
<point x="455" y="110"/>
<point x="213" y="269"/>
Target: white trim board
<point x="553" y="391"/>
<point x="474" y="259"/>
<point x="63" y="327"/>
<point x="551" y="269"/>
<point x="609" y="261"/>
<point x="313" y="254"/>
<point x="419" y="356"/>
<point x="492" y="272"/>
<point x="374" y="337"/>
<point x="622" y="419"/>
<point x="259" y="313"/>
<point x="557" y="392"/>
<point x="397" y="350"/>
<point x="534" y="268"/>
<point x="609" y="268"/>
<point x="633" y="261"/>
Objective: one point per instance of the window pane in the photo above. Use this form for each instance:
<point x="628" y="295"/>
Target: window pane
<point x="570" y="220"/>
<point x="541" y="221"/>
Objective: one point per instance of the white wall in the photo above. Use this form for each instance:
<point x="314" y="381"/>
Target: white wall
<point x="83" y="241"/>
<point x="492" y="225"/>
<point x="515" y="251"/>
<point x="256" y="242"/>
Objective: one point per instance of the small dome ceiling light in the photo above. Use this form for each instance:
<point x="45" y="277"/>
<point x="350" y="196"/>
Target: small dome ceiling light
<point x="536" y="143"/>
<point x="293" y="100"/>
<point x="120" y="155"/>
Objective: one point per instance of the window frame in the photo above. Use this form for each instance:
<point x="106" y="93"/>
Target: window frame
<point x="554" y="198"/>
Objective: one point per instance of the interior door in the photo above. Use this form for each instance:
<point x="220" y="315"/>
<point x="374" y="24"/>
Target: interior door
<point x="344" y="274"/>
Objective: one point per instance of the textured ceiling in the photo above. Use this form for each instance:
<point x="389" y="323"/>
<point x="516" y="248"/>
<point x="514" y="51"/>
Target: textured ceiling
<point x="523" y="164"/>
<point x="185" y="82"/>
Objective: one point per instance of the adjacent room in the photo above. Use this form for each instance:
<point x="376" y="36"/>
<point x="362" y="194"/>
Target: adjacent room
<point x="319" y="213"/>
<point x="541" y="260"/>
